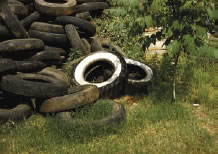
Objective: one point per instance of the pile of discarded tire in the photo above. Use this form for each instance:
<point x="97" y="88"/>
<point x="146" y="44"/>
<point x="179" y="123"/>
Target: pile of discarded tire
<point x="35" y="37"/>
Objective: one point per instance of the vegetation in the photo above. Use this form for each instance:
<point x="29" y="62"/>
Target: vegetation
<point x="153" y="124"/>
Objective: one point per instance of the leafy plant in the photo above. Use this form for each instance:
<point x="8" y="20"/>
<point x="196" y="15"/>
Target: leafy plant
<point x="180" y="22"/>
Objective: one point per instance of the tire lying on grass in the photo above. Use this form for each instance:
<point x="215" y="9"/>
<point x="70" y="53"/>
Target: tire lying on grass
<point x="95" y="65"/>
<point x="55" y="9"/>
<point x="83" y="96"/>
<point x="139" y="76"/>
<point x="117" y="115"/>
<point x="33" y="85"/>
<point x="14" y="112"/>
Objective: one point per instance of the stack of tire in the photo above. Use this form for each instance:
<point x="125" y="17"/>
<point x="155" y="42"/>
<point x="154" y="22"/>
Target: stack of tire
<point x="34" y="38"/>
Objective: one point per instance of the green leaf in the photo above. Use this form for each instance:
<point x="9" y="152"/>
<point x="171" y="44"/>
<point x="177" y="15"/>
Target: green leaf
<point x="148" y="21"/>
<point x="174" y="46"/>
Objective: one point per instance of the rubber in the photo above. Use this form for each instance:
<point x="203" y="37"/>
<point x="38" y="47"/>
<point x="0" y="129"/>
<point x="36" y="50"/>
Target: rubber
<point x="7" y="66"/>
<point x="33" y="85"/>
<point x="18" y="9"/>
<point x="19" y="112"/>
<point x="47" y="27"/>
<point x="83" y="25"/>
<point x="26" y="22"/>
<point x="111" y="87"/>
<point x="29" y="66"/>
<point x="115" y="118"/>
<point x="135" y="85"/>
<point x="54" y="49"/>
<point x="96" y="45"/>
<point x="56" y="74"/>
<point x="71" y="101"/>
<point x="50" y="38"/>
<point x="83" y="15"/>
<point x="20" y="45"/>
<point x="4" y="31"/>
<point x="11" y="21"/>
<point x="91" y="6"/>
<point x="55" y="9"/>
<point x="74" y="38"/>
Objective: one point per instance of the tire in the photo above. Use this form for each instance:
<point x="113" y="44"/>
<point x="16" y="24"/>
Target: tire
<point x="11" y="21"/>
<point x="55" y="9"/>
<point x="4" y="31"/>
<point x="83" y="15"/>
<point x="20" y="45"/>
<point x="29" y="66"/>
<point x="7" y="66"/>
<point x="47" y="57"/>
<point x="26" y="22"/>
<point x="61" y="51"/>
<point x="56" y="74"/>
<point x="83" y="25"/>
<point x="138" y="83"/>
<point x="116" y="117"/>
<point x="63" y="103"/>
<point x="19" y="112"/>
<point x="33" y="85"/>
<point x="74" y="39"/>
<point x="46" y="27"/>
<point x="108" y="46"/>
<point x="50" y="38"/>
<point x="114" y="84"/>
<point x="91" y="6"/>
<point x="96" y="46"/>
<point x="19" y="9"/>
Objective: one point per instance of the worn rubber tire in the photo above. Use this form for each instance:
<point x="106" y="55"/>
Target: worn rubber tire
<point x="83" y="15"/>
<point x="41" y="86"/>
<point x="67" y="102"/>
<point x="11" y="21"/>
<point x="115" y="84"/>
<point x="7" y="66"/>
<point x="96" y="45"/>
<point x="26" y="22"/>
<point x="47" y="27"/>
<point x="135" y="85"/>
<point x="56" y="74"/>
<point x="55" y="9"/>
<point x="51" y="38"/>
<point x="19" y="9"/>
<point x="5" y="32"/>
<point x="29" y="66"/>
<point x="91" y="6"/>
<point x="83" y="25"/>
<point x="116" y="117"/>
<point x="54" y="49"/>
<point x="20" y="45"/>
<point x="19" y="112"/>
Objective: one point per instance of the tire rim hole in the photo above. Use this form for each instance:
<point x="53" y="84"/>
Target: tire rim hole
<point x="99" y="71"/>
<point x="135" y="72"/>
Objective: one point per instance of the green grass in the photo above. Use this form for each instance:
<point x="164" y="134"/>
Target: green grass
<point x="150" y="127"/>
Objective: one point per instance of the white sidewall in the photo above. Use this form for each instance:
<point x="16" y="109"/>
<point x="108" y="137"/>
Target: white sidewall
<point x="99" y="56"/>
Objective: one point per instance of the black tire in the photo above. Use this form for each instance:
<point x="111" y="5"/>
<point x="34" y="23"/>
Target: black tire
<point x="83" y="15"/>
<point x="20" y="45"/>
<point x="26" y="22"/>
<point x="7" y="66"/>
<point x="26" y="1"/>
<point x="4" y="32"/>
<point x="74" y="38"/>
<point x="114" y="84"/>
<point x="108" y="46"/>
<point x="51" y="38"/>
<point x="83" y="25"/>
<point x="55" y="9"/>
<point x="139" y="77"/>
<point x="19" y="9"/>
<point x="56" y="74"/>
<point x="61" y="51"/>
<point x="116" y="117"/>
<point x="86" y="96"/>
<point x="96" y="45"/>
<point x="11" y="21"/>
<point x="29" y="66"/>
<point x="33" y="85"/>
<point x="19" y="112"/>
<point x="91" y="6"/>
<point x="46" y="27"/>
<point x="47" y="57"/>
